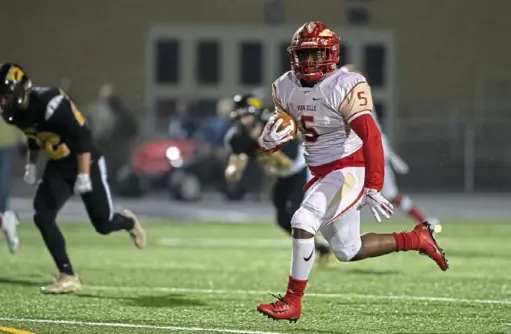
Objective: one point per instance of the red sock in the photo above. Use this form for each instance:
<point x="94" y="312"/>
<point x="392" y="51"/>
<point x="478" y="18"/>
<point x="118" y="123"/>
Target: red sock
<point x="406" y="241"/>
<point x="295" y="288"/>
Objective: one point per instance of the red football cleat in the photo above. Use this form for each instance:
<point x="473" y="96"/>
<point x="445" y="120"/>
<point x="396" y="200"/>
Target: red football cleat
<point x="429" y="246"/>
<point x="285" y="308"/>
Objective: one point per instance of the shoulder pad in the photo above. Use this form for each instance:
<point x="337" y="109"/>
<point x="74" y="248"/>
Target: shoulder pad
<point x="346" y="80"/>
<point x="336" y="86"/>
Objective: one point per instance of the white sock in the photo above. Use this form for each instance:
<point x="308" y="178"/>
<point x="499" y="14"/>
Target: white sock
<point x="302" y="258"/>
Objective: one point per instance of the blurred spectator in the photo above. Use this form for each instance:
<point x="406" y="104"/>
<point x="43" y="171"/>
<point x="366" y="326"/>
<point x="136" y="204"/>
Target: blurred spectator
<point x="219" y="124"/>
<point x="181" y="124"/>
<point x="9" y="139"/>
<point x="113" y="127"/>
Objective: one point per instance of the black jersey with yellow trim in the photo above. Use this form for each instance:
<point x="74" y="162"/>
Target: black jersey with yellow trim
<point x="53" y="123"/>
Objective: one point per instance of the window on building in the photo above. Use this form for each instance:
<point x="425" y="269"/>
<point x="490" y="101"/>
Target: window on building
<point x="167" y="61"/>
<point x="251" y="63"/>
<point x="374" y="64"/>
<point x="284" y="60"/>
<point x="379" y="109"/>
<point x="343" y="55"/>
<point x="208" y="67"/>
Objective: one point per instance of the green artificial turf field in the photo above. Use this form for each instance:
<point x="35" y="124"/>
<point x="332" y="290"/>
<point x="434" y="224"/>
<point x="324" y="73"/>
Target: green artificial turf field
<point x="209" y="278"/>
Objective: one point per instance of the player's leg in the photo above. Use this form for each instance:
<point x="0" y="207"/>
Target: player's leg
<point x="8" y="219"/>
<point x="9" y="223"/>
<point x="391" y="192"/>
<point x="320" y="204"/>
<point x="280" y="199"/>
<point x="52" y="193"/>
<point x="98" y="204"/>
<point x="347" y="244"/>
<point x="296" y="194"/>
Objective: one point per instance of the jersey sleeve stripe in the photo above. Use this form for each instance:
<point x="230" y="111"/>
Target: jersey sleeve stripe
<point x="358" y="114"/>
<point x="52" y="106"/>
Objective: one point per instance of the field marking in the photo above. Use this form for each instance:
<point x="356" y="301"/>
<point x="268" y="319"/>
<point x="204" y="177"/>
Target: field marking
<point x="227" y="242"/>
<point x="127" y="325"/>
<point x="316" y="295"/>
<point x="14" y="330"/>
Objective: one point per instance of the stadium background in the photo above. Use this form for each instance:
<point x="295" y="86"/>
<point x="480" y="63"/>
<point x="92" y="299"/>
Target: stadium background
<point x="439" y="71"/>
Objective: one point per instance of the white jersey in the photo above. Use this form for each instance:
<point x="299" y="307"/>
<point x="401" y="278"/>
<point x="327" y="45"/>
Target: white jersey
<point x="323" y="112"/>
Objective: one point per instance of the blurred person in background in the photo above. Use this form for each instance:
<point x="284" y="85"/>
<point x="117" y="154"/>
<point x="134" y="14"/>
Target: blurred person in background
<point x="220" y="123"/>
<point x="51" y="121"/>
<point x="113" y="126"/>
<point x="288" y="165"/>
<point x="394" y="163"/>
<point x="9" y="140"/>
<point x="181" y="125"/>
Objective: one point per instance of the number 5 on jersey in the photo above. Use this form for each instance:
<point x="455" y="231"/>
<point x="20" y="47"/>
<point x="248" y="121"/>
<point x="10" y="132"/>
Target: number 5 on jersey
<point x="309" y="132"/>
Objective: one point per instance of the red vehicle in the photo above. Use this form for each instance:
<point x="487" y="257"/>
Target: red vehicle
<point x="182" y="167"/>
<point x="161" y="164"/>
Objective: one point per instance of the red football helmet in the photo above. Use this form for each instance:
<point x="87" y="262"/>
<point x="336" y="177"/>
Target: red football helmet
<point x="314" y="51"/>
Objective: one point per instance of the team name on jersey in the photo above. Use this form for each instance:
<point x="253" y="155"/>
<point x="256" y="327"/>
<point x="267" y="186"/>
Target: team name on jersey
<point x="306" y="107"/>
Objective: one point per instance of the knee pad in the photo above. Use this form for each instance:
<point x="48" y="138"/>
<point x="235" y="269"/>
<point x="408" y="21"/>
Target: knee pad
<point x="346" y="252"/>
<point x="305" y="219"/>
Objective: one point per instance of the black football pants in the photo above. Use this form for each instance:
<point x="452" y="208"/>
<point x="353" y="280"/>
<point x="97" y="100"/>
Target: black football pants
<point x="55" y="188"/>
<point x="287" y="196"/>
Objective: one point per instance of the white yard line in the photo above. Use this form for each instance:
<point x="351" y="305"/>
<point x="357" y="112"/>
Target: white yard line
<point x="316" y="295"/>
<point x="126" y="325"/>
<point x="227" y="242"/>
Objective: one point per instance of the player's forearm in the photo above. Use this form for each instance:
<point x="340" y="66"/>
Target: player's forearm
<point x="84" y="161"/>
<point x="366" y="128"/>
<point x="32" y="157"/>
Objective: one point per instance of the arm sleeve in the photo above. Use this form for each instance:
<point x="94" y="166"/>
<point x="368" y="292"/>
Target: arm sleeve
<point x="66" y="117"/>
<point x="356" y="110"/>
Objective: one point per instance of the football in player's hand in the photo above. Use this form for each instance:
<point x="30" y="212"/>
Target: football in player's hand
<point x="286" y="121"/>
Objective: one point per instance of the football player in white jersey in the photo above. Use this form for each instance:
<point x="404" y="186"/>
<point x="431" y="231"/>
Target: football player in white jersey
<point x="343" y="149"/>
<point x="394" y="163"/>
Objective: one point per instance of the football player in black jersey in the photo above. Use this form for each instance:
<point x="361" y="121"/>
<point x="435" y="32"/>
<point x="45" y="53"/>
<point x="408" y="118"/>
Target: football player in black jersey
<point x="288" y="164"/>
<point x="52" y="123"/>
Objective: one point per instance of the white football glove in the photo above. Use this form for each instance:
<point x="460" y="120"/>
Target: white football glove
<point x="30" y="175"/>
<point x="398" y="164"/>
<point x="83" y="184"/>
<point x="378" y="204"/>
<point x="271" y="137"/>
